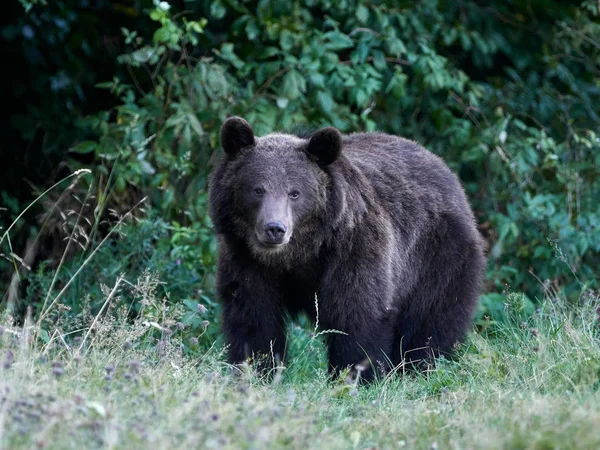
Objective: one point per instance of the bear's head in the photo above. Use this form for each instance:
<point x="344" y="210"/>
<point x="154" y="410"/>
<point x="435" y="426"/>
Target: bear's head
<point x="277" y="184"/>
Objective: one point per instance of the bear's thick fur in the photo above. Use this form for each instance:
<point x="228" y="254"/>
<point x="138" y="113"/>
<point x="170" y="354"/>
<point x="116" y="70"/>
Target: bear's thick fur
<point x="376" y="226"/>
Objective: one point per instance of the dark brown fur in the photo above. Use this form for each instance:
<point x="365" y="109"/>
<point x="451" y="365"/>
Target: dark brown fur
<point x="382" y="232"/>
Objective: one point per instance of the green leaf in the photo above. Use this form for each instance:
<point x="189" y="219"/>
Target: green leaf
<point x="197" y="26"/>
<point x="228" y="55"/>
<point x="105" y="85"/>
<point x="362" y="14"/>
<point x="84" y="147"/>
<point x="195" y="124"/>
<point x="294" y="85"/>
<point x="286" y="40"/>
<point x="361" y="97"/>
<point x="147" y="167"/>
<point x="143" y="54"/>
<point x="156" y="14"/>
<point x="268" y="52"/>
<point x="97" y="408"/>
<point x="337" y="41"/>
<point x="162" y="35"/>
<point x="325" y="101"/>
<point x="379" y="60"/>
<point x="217" y="9"/>
<point x="395" y="47"/>
<point x="44" y="336"/>
<point x="252" y="30"/>
<point x="282" y="102"/>
<point x="216" y="81"/>
<point x="397" y="85"/>
<point x="120" y="184"/>
<point x="317" y="79"/>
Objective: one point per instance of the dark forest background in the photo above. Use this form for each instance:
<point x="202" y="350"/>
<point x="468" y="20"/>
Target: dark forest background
<point x="506" y="91"/>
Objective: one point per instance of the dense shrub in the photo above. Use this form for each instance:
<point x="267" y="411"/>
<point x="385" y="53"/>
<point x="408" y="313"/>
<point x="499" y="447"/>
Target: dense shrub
<point x="504" y="91"/>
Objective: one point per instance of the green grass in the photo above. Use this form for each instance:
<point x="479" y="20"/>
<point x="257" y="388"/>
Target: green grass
<point x="530" y="384"/>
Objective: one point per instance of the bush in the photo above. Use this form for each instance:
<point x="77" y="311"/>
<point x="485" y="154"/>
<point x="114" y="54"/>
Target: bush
<point x="151" y="256"/>
<point x="505" y="93"/>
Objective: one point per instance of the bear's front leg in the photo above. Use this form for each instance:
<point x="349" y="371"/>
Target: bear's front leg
<point x="367" y="328"/>
<point x="367" y="351"/>
<point x="253" y="321"/>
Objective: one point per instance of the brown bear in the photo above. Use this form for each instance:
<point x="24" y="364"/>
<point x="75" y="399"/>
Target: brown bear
<point x="374" y="225"/>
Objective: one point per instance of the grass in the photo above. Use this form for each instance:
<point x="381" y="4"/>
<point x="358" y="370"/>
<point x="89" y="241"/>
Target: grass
<point x="529" y="384"/>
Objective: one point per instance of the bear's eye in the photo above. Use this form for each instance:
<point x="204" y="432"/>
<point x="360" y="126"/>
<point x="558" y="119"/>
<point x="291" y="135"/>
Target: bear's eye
<point x="294" y="195"/>
<point x="259" y="191"/>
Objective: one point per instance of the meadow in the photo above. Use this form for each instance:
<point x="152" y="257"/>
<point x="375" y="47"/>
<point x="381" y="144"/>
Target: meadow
<point x="528" y="383"/>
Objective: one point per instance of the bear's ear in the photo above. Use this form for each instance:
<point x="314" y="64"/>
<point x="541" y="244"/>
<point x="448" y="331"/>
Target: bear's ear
<point x="236" y="134"/>
<point x="325" y="146"/>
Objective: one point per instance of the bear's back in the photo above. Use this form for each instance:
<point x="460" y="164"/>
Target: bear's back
<point x="393" y="165"/>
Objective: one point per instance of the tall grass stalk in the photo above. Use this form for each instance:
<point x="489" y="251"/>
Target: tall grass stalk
<point x="44" y="311"/>
<point x="77" y="173"/>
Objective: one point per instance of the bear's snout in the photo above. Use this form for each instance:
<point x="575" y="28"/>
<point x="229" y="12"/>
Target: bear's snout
<point x="275" y="232"/>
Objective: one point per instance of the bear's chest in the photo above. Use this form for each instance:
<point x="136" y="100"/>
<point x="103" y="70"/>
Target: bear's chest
<point x="300" y="289"/>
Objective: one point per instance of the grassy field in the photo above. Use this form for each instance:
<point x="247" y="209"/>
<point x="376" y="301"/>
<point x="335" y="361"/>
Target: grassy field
<point x="530" y="384"/>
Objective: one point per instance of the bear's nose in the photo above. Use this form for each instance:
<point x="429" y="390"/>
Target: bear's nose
<point x="275" y="232"/>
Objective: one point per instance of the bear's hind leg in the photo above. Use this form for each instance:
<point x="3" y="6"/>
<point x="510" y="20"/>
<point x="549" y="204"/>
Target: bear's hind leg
<point x="438" y="315"/>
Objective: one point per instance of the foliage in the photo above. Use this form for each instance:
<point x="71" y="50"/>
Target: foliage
<point x="143" y="250"/>
<point x="28" y="4"/>
<point x="56" y="52"/>
<point x="504" y="92"/>
<point x="156" y="144"/>
<point x="517" y="122"/>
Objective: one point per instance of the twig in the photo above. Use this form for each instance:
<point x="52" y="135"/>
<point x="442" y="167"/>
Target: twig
<point x="399" y="61"/>
<point x="62" y="259"/>
<point x="267" y="83"/>
<point x="135" y="81"/>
